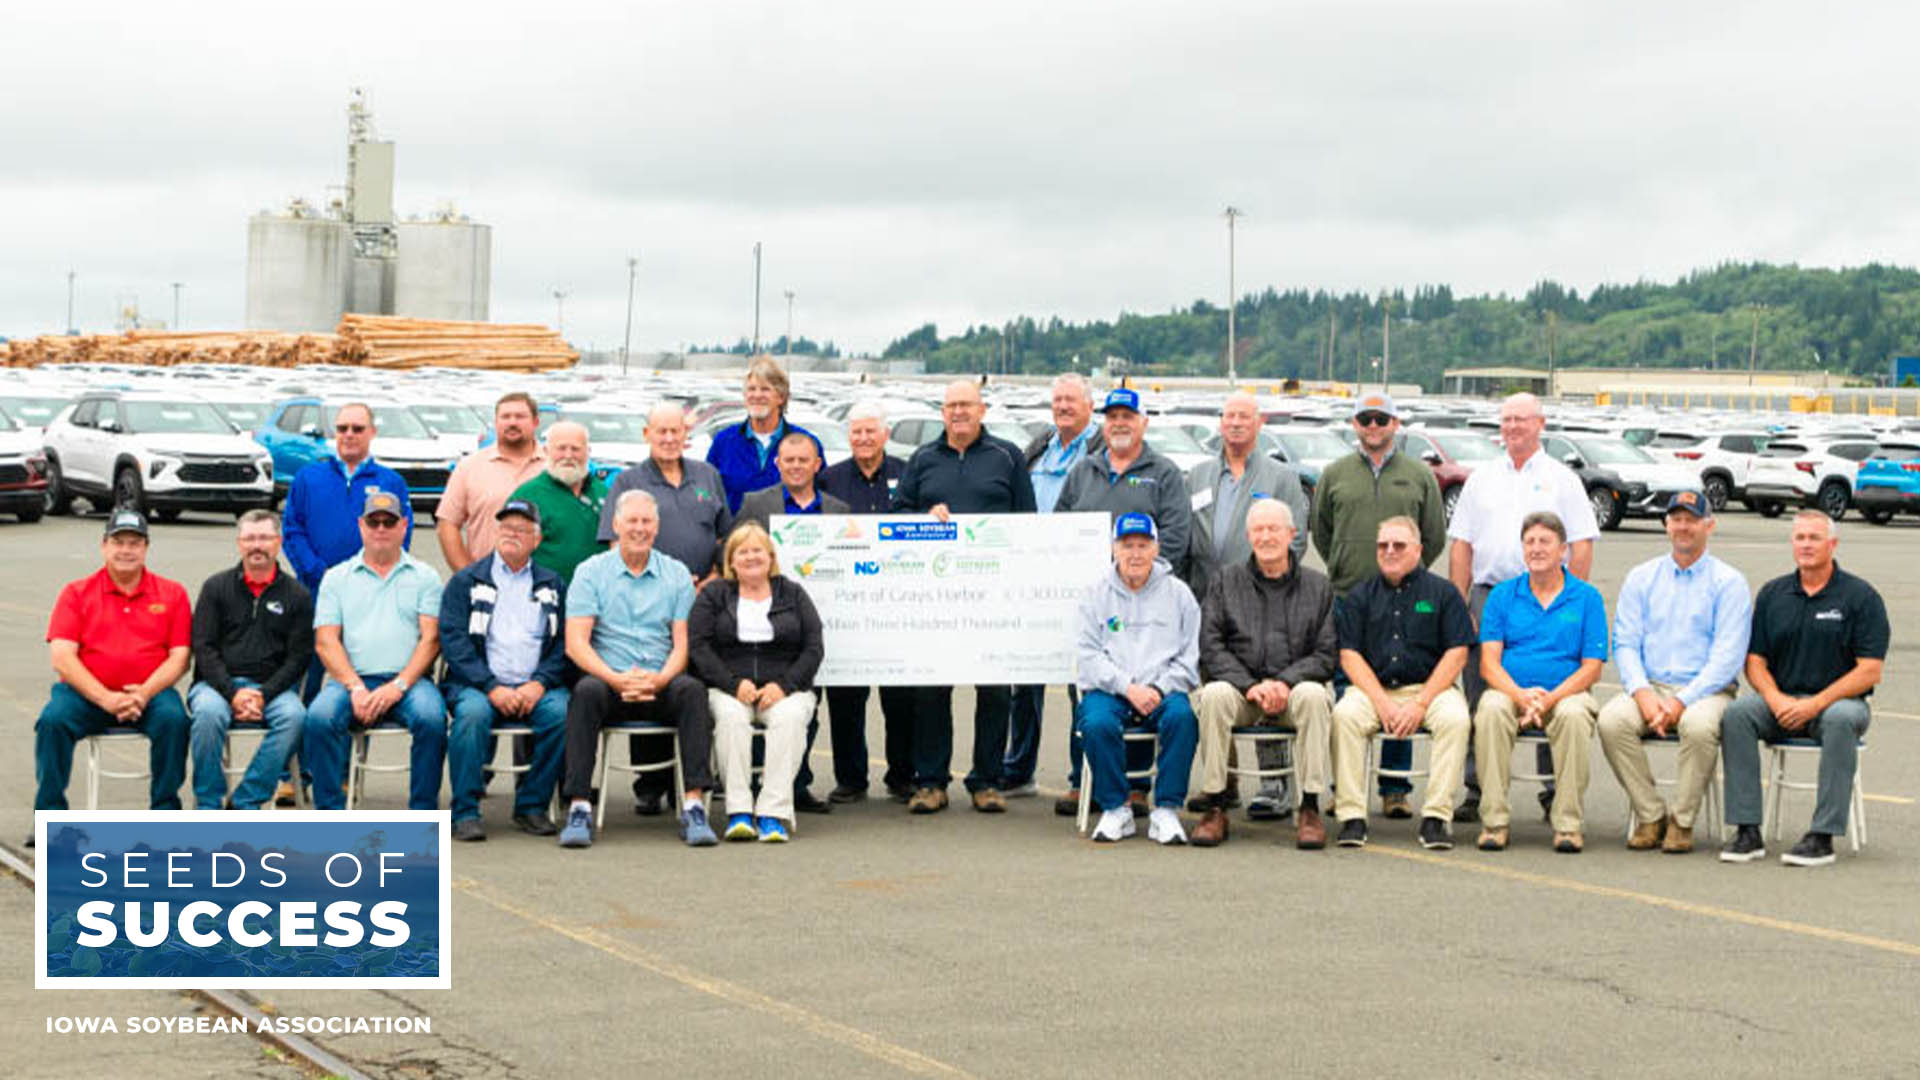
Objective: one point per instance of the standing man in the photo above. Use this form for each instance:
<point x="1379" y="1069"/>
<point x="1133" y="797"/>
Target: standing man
<point x="1050" y="457"/>
<point x="1356" y="494"/>
<point x="486" y="478"/>
<point x="376" y="626"/>
<point x="693" y="522"/>
<point x="1680" y="630"/>
<point x="1222" y="490"/>
<point x="744" y="452"/>
<point x="570" y="501"/>
<point x="1486" y="537"/>
<point x="119" y="639"/>
<point x="502" y="630"/>
<point x="865" y="482"/>
<point x="252" y="642"/>
<point x="1818" y="645"/>
<point x="964" y="471"/>
<point x="322" y="526"/>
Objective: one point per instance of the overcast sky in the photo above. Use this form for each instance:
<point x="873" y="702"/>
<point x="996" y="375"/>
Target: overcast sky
<point x="955" y="162"/>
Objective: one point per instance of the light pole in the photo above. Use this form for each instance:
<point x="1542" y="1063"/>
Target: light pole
<point x="789" y="348"/>
<point x="71" y="329"/>
<point x="756" y="298"/>
<point x="1233" y="378"/>
<point x="626" y="343"/>
<point x="1386" y="341"/>
<point x="560" y="312"/>
<point x="176" y="305"/>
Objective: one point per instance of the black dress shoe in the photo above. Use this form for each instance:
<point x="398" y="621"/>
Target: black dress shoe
<point x="847" y="795"/>
<point x="649" y="803"/>
<point x="807" y="802"/>
<point x="1468" y="811"/>
<point x="899" y="793"/>
<point x="29" y="841"/>
<point x="469" y="829"/>
<point x="537" y="823"/>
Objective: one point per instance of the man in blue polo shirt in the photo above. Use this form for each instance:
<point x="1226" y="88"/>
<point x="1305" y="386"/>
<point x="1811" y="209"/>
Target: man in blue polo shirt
<point x="1543" y="639"/>
<point x="376" y="627"/>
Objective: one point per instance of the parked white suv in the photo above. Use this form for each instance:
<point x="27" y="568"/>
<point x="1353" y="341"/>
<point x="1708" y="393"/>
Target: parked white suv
<point x="1724" y="459"/>
<point x="1800" y="471"/>
<point x="159" y="452"/>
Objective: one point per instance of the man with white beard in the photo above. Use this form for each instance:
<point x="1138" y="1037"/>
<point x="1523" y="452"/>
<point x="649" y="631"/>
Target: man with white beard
<point x="570" y="499"/>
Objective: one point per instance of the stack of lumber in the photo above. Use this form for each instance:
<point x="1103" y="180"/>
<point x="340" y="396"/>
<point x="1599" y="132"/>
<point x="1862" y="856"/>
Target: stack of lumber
<point x="165" y="348"/>
<point x="388" y="341"/>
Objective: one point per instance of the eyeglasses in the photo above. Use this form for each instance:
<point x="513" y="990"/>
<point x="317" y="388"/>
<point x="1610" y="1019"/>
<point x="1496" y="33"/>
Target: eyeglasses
<point x="1373" y="419"/>
<point x="1392" y="545"/>
<point x="382" y="521"/>
<point x="349" y="429"/>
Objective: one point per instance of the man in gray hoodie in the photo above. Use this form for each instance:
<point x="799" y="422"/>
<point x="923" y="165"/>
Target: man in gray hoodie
<point x="1139" y="652"/>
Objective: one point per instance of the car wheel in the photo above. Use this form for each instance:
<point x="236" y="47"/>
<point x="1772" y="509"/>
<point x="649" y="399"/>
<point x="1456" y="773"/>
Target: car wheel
<point x="1834" y="499"/>
<point x="1878" y="516"/>
<point x="1450" y="500"/>
<point x="166" y="515"/>
<point x="1607" y="507"/>
<point x="127" y="491"/>
<point x="58" y="501"/>
<point x="1718" y="491"/>
<point x="1770" y="509"/>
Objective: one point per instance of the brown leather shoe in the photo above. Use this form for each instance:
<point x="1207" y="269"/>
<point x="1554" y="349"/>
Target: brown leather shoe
<point x="1679" y="838"/>
<point x="1493" y="839"/>
<point x="1396" y="805"/>
<point x="927" y="800"/>
<point x="1311" y="832"/>
<point x="1646" y="835"/>
<point x="284" y="794"/>
<point x="1568" y="843"/>
<point x="1212" y="830"/>
<point x="989" y="801"/>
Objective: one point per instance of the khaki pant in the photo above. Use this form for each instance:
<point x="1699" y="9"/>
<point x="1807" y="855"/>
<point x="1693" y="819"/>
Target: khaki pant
<point x="1220" y="708"/>
<point x="1354" y="723"/>
<point x="786" y="724"/>
<point x="1570" y="734"/>
<point x="1621" y="727"/>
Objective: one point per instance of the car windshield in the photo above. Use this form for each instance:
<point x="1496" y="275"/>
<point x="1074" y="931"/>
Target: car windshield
<point x="607" y="427"/>
<point x="1173" y="440"/>
<point x="398" y="422"/>
<point x="33" y="411"/>
<point x="7" y="422"/>
<point x="1312" y="445"/>
<point x="449" y="419"/>
<point x="174" y="418"/>
<point x="1465" y="448"/>
<point x="244" y="415"/>
<point x="1612" y="452"/>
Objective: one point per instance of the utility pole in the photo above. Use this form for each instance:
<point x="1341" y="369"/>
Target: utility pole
<point x="756" y="298"/>
<point x="1386" y="340"/>
<point x="71" y="329"/>
<point x="789" y="349"/>
<point x="176" y="305"/>
<point x="1553" y="329"/>
<point x="1333" y="337"/>
<point x="626" y="343"/>
<point x="1233" y="378"/>
<point x="1753" y="348"/>
<point x="1713" y="344"/>
<point x="560" y="312"/>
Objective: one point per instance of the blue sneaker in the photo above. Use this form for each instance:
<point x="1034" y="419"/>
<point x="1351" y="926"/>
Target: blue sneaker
<point x="694" y="828"/>
<point x="579" y="828"/>
<point x="740" y="827"/>
<point x="772" y="831"/>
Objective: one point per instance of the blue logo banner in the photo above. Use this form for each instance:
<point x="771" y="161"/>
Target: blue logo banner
<point x="919" y="530"/>
<point x="211" y="900"/>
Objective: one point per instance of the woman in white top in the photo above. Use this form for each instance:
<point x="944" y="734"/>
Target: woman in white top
<point x="754" y="639"/>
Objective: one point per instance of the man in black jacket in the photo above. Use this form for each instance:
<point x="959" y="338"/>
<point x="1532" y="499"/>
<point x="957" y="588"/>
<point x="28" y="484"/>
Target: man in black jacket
<point x="503" y="633"/>
<point x="252" y="641"/>
<point x="1267" y="649"/>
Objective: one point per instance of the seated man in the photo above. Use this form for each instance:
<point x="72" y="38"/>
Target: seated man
<point x="1139" y="652"/>
<point x="627" y="633"/>
<point x="376" y="628"/>
<point x="1680" y="631"/>
<point x="1267" y="647"/>
<point x="1543" y="640"/>
<point x="502" y="623"/>
<point x="252" y="642"/>
<point x="1818" y="644"/>
<point x="1403" y="637"/>
<point x="119" y="640"/>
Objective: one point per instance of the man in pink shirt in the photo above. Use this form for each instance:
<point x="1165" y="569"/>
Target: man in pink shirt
<point x="482" y="483"/>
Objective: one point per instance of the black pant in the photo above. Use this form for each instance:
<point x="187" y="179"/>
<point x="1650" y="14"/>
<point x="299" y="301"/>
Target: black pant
<point x="683" y="704"/>
<point x="847" y="719"/>
<point x="933" y="735"/>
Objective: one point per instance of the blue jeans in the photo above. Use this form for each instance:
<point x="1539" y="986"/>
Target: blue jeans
<point x="212" y="716"/>
<point x="473" y="720"/>
<point x="69" y="717"/>
<point x="326" y="743"/>
<point x="1748" y="722"/>
<point x="1103" y="717"/>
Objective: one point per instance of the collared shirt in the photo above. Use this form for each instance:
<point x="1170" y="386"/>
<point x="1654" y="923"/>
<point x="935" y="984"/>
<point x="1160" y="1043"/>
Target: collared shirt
<point x="694" y="517"/>
<point x="123" y="636"/>
<point x="1542" y="646"/>
<point x="633" y="613"/>
<point x="1403" y="630"/>
<point x="1050" y="469"/>
<point x="379" y="618"/>
<point x="1682" y="627"/>
<point x="1808" y="642"/>
<point x="479" y="486"/>
<point x="1497" y="497"/>
<point x="1223" y="506"/>
<point x="569" y="522"/>
<point x="863" y="494"/>
<point x="814" y="507"/>
<point x="516" y="632"/>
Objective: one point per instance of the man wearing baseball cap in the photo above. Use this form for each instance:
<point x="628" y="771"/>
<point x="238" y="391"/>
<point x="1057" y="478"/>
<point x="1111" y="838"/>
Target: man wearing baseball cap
<point x="1139" y="652"/>
<point x="503" y="625"/>
<point x="1680" y="629"/>
<point x="119" y="639"/>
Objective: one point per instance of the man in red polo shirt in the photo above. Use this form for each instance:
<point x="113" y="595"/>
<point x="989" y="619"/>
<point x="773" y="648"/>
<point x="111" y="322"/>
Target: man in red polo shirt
<point x="120" y="640"/>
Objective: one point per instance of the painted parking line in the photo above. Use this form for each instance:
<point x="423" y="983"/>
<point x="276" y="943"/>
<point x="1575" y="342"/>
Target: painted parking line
<point x="873" y="1046"/>
<point x="1730" y="915"/>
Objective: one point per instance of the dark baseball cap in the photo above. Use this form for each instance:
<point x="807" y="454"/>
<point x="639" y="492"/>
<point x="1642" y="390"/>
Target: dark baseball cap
<point x="381" y="502"/>
<point x="126" y="519"/>
<point x="1693" y="502"/>
<point x="523" y="507"/>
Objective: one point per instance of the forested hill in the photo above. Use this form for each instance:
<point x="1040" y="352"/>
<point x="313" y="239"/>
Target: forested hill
<point x="1850" y="320"/>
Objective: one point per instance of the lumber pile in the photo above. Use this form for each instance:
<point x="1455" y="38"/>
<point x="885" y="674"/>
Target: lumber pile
<point x="166" y="348"/>
<point x="388" y="341"/>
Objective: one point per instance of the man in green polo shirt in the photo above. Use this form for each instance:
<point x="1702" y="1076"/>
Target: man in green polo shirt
<point x="570" y="499"/>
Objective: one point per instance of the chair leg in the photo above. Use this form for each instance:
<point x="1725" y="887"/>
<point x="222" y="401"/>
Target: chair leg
<point x="606" y="777"/>
<point x="1086" y="787"/>
<point x="1857" y="821"/>
<point x="1770" y="802"/>
<point x="93" y="774"/>
<point x="680" y="778"/>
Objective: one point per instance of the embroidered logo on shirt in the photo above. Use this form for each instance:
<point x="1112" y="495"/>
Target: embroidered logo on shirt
<point x="276" y="607"/>
<point x="161" y="609"/>
<point x="1423" y="607"/>
<point x="1829" y="615"/>
<point x="1114" y="625"/>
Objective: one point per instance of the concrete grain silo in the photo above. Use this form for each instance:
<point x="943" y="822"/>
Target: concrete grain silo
<point x="444" y="270"/>
<point x="299" y="271"/>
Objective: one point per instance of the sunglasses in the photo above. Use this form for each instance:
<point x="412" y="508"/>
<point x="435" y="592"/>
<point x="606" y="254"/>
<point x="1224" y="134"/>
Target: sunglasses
<point x="1392" y="545"/>
<point x="1373" y="419"/>
<point x="382" y="521"/>
<point x="349" y="429"/>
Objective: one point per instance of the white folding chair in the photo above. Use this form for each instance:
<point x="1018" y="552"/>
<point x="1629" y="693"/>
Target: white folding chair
<point x="633" y="768"/>
<point x="1257" y="735"/>
<point x="1709" y="799"/>
<point x="1374" y="770"/>
<point x="91" y="747"/>
<point x="358" y="764"/>
<point x="1779" y="754"/>
<point x="1086" y="771"/>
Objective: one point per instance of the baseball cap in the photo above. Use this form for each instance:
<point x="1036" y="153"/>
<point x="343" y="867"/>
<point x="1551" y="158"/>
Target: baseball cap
<point x="1121" y="397"/>
<point x="1693" y="502"/>
<point x="126" y="519"/>
<point x="523" y="507"/>
<point x="1378" y="402"/>
<point x="381" y="502"/>
<point x="1134" y="524"/>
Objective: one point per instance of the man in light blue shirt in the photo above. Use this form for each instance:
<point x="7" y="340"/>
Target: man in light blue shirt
<point x="376" y="628"/>
<point x="1680" y="634"/>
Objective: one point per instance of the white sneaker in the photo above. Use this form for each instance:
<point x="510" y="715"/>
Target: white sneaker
<point x="1163" y="826"/>
<point x="1114" y="825"/>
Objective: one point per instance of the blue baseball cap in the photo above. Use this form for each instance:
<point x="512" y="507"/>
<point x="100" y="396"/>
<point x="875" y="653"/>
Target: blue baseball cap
<point x="1690" y="500"/>
<point x="1134" y="524"/>
<point x="1121" y="397"/>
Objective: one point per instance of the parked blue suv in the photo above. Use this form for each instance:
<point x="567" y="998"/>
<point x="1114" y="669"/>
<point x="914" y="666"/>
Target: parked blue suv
<point x="299" y="431"/>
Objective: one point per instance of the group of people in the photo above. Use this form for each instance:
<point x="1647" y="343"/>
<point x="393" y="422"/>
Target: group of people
<point x="574" y="605"/>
